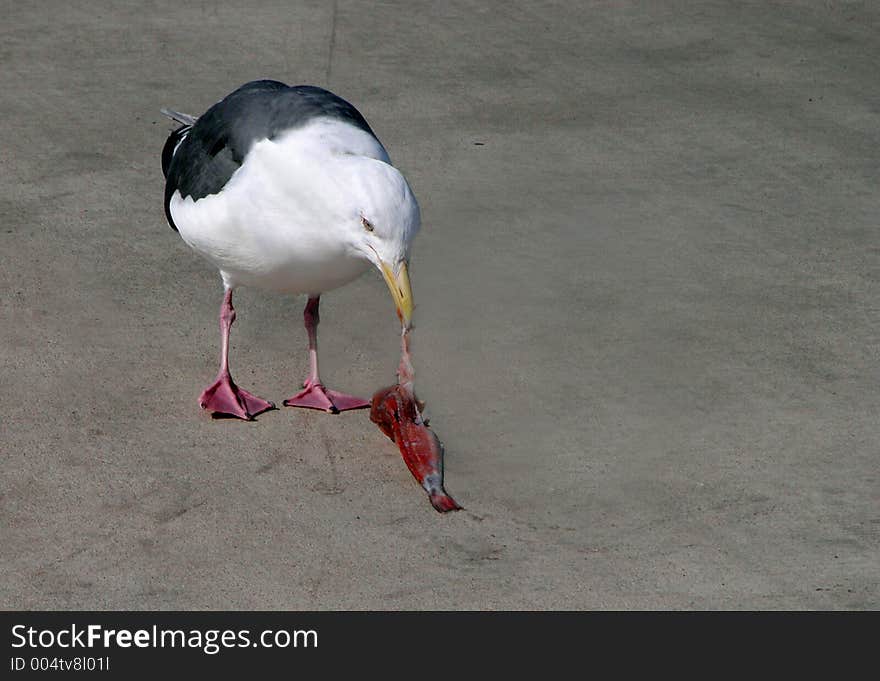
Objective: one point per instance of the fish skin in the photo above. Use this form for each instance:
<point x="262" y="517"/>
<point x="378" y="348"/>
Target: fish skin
<point x="395" y="410"/>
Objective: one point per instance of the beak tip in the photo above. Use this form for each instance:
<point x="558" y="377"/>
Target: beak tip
<point x="401" y="292"/>
<point x="405" y="319"/>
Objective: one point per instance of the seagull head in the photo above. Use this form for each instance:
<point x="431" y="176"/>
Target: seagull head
<point x="383" y="227"/>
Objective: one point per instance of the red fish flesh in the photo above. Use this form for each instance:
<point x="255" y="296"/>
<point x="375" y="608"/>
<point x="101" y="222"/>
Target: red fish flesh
<point x="395" y="410"/>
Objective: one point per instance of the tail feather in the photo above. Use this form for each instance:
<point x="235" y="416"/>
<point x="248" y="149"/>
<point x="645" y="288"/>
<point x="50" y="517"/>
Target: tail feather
<point x="186" y="119"/>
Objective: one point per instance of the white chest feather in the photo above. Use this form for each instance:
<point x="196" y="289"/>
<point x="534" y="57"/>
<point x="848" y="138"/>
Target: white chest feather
<point x="281" y="222"/>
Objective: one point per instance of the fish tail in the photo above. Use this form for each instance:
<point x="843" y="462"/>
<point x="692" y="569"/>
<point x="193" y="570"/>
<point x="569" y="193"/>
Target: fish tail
<point x="443" y="502"/>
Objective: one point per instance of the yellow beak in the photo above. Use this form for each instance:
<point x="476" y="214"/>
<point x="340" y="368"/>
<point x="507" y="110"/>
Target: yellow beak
<point x="400" y="291"/>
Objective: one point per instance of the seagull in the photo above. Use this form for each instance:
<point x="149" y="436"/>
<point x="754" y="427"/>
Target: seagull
<point x="288" y="189"/>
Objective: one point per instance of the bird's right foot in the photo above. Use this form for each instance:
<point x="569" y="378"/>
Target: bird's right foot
<point x="315" y="396"/>
<point x="223" y="397"/>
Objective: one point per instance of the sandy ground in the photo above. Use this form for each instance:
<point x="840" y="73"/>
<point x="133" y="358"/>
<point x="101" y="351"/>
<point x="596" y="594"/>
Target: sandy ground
<point x="647" y="318"/>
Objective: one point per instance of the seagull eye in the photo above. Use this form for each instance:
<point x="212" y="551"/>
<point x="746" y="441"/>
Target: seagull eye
<point x="367" y="224"/>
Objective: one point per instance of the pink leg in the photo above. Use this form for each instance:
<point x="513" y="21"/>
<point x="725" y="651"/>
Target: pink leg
<point x="223" y="396"/>
<point x="315" y="395"/>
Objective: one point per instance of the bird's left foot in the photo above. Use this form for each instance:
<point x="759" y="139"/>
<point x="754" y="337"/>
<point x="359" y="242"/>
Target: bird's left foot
<point x="316" y="396"/>
<point x="224" y="398"/>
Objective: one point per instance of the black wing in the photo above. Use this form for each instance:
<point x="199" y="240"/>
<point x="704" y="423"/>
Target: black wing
<point x="198" y="160"/>
<point x="170" y="147"/>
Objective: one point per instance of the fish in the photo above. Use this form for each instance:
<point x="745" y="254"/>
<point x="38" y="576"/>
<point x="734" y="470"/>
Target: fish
<point x="397" y="412"/>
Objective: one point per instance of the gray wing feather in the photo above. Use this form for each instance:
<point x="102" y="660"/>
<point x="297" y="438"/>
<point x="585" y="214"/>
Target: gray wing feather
<point x="208" y="150"/>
